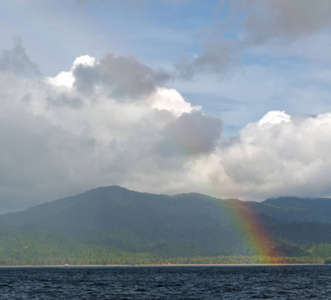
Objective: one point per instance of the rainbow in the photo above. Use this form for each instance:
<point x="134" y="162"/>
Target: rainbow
<point x="250" y="227"/>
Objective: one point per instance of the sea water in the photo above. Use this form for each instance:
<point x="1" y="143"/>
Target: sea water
<point x="167" y="282"/>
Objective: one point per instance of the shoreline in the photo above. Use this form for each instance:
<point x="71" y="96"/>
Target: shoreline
<point x="155" y="265"/>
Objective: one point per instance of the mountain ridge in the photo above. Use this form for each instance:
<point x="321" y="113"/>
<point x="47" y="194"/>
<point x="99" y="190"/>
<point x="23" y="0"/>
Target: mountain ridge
<point x="180" y="225"/>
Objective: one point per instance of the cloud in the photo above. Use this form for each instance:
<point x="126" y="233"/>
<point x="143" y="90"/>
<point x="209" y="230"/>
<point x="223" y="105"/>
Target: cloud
<point x="278" y="155"/>
<point x="252" y="23"/>
<point x="191" y="134"/>
<point x="217" y="56"/>
<point x="125" y="77"/>
<point x="285" y="21"/>
<point x="57" y="141"/>
<point x="66" y="78"/>
<point x="172" y="101"/>
<point x="17" y="61"/>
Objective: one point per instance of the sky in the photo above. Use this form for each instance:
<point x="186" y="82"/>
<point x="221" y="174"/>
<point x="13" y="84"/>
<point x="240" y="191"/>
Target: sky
<point x="226" y="98"/>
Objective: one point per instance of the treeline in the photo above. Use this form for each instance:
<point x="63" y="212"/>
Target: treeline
<point x="23" y="247"/>
<point x="27" y="253"/>
<point x="147" y="259"/>
<point x="95" y="255"/>
<point x="321" y="250"/>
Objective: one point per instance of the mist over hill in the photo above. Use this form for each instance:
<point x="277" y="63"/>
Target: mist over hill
<point x="185" y="225"/>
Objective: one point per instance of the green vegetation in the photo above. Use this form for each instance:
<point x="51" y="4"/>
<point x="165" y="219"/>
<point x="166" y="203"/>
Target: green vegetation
<point x="19" y="247"/>
<point x="115" y="226"/>
<point x="321" y="250"/>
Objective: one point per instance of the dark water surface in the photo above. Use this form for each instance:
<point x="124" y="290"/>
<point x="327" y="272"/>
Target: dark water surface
<point x="174" y="282"/>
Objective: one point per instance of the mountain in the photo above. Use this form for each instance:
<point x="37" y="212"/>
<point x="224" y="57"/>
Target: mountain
<point x="185" y="225"/>
<point x="134" y="221"/>
<point x="299" y="209"/>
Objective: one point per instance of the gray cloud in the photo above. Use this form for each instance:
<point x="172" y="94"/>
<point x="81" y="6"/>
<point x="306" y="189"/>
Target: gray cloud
<point x="57" y="141"/>
<point x="255" y="22"/>
<point x="217" y="56"/>
<point x="126" y="77"/>
<point x="285" y="21"/>
<point x="191" y="134"/>
<point x="63" y="99"/>
<point x="17" y="61"/>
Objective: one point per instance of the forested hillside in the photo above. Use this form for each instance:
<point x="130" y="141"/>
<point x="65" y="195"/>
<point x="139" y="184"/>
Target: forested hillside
<point x="116" y="225"/>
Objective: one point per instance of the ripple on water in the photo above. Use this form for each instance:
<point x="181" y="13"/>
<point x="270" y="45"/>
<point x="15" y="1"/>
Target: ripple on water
<point x="214" y="282"/>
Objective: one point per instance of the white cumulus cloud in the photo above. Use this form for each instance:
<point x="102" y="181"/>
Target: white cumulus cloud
<point x="278" y="155"/>
<point x="66" y="78"/>
<point x="57" y="140"/>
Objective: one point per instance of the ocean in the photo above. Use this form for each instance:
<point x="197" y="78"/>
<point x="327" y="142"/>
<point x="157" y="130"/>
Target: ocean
<point x="167" y="282"/>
